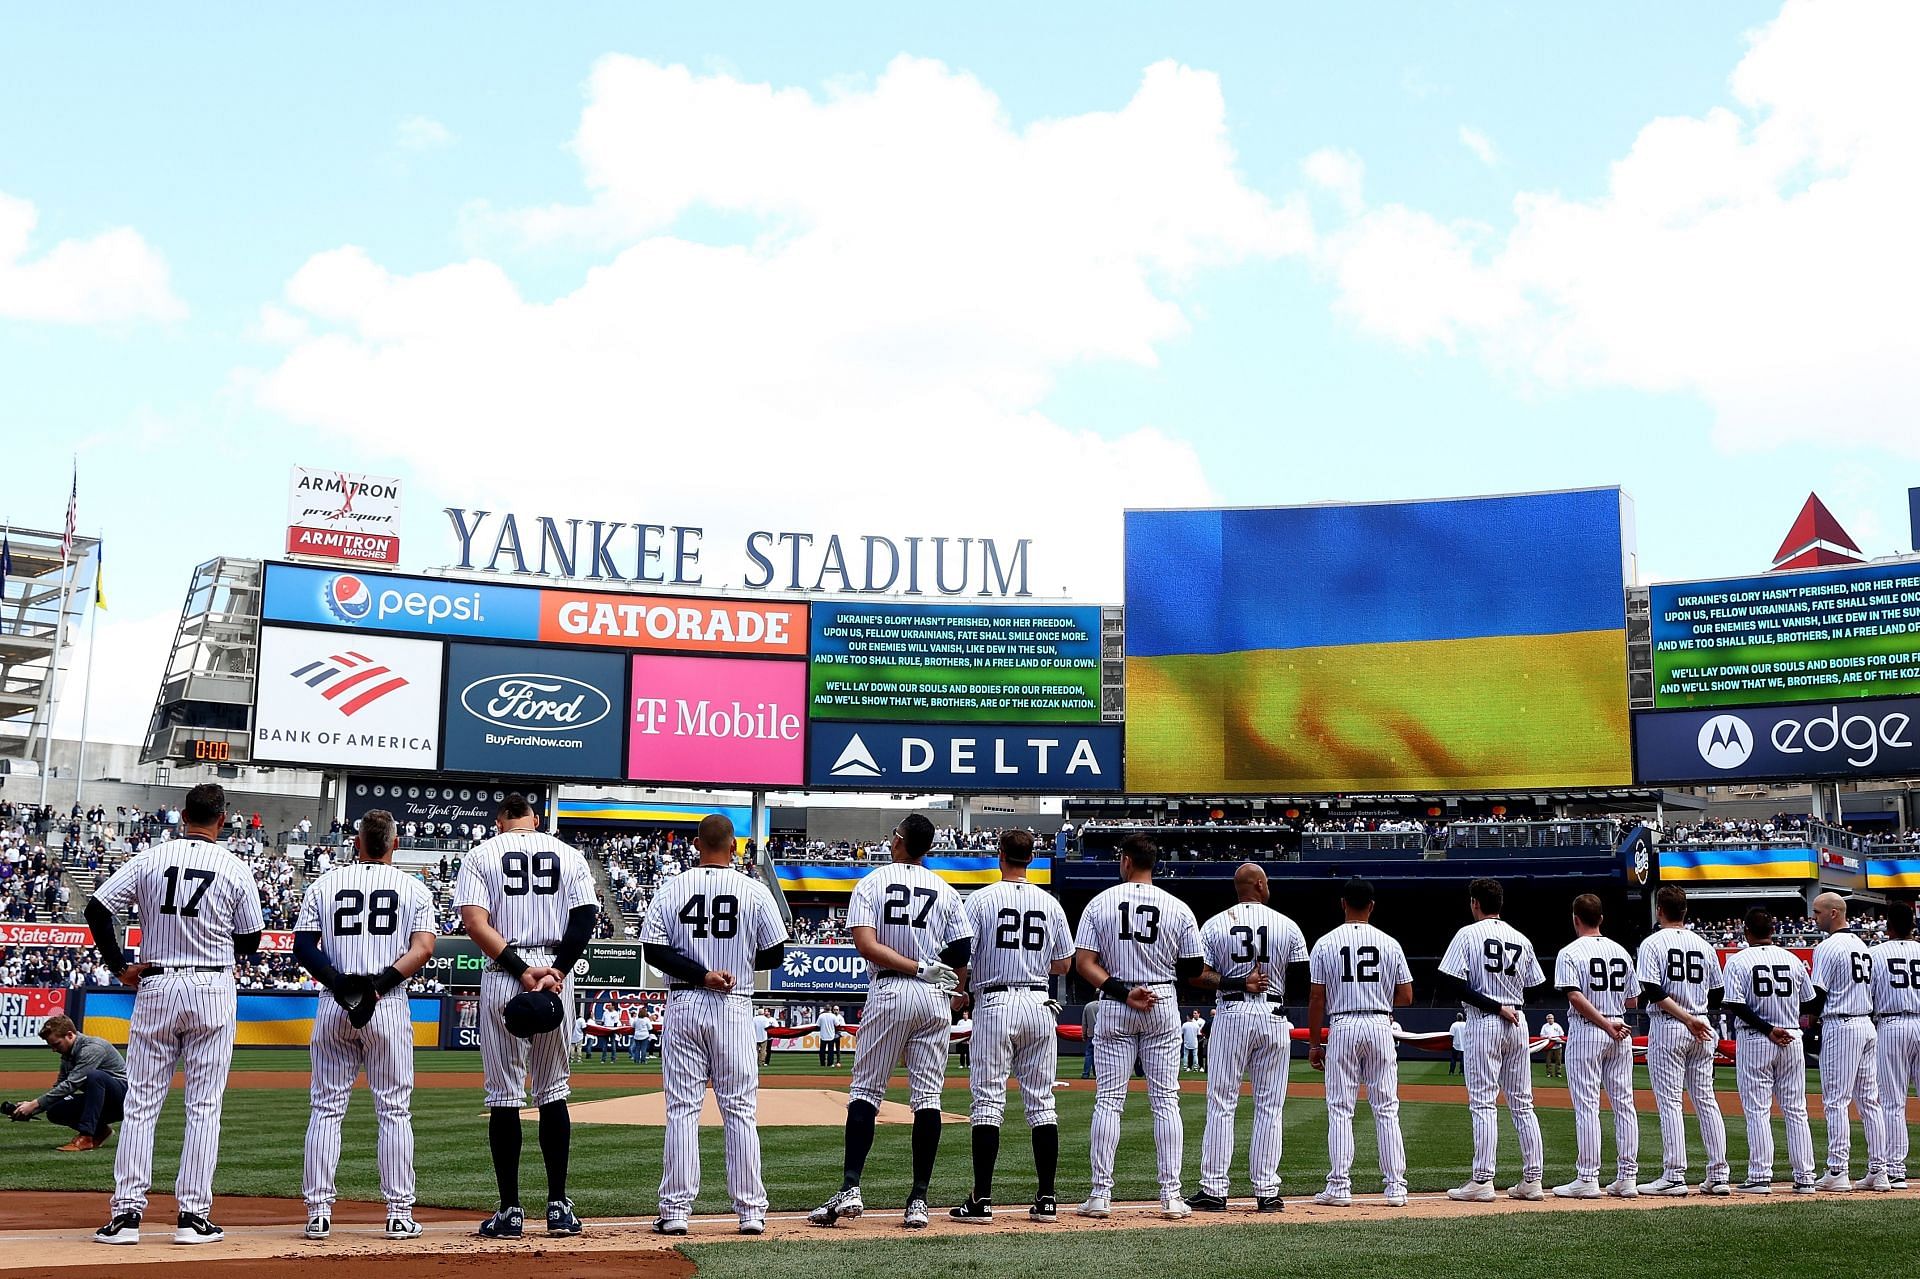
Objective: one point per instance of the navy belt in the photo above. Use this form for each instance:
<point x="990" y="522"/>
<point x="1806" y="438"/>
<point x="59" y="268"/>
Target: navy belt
<point x="1010" y="985"/>
<point x="1241" y="996"/>
<point x="152" y="970"/>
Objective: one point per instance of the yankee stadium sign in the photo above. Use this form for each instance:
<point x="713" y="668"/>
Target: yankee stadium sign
<point x="598" y="550"/>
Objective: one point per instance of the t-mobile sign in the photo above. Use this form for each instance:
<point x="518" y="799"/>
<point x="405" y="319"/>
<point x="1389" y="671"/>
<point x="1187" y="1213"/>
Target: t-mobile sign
<point x="717" y="721"/>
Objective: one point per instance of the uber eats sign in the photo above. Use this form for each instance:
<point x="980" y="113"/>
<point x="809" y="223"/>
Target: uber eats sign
<point x="457" y="964"/>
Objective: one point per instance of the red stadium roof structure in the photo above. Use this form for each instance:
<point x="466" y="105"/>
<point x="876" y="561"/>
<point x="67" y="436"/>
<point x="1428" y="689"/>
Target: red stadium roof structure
<point x="1816" y="538"/>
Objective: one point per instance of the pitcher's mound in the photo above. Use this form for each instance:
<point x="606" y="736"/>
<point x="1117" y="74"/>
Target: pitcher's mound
<point x="779" y="1108"/>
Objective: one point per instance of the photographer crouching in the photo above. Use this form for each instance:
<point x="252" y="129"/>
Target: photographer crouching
<point x="88" y="1094"/>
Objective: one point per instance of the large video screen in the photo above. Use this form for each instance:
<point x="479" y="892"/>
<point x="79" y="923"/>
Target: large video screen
<point x="1809" y="636"/>
<point x="1461" y="644"/>
<point x="946" y="665"/>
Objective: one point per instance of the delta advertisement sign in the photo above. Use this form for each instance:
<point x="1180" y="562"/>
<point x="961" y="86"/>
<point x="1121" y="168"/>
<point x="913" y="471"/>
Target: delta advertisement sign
<point x="1055" y="760"/>
<point x="343" y="516"/>
<point x="1876" y="738"/>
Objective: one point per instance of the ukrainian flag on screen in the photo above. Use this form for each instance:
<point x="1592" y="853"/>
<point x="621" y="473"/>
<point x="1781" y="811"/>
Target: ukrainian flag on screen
<point x="1465" y="644"/>
<point x="1765" y="861"/>
<point x="960" y="870"/>
<point x="1893" y="872"/>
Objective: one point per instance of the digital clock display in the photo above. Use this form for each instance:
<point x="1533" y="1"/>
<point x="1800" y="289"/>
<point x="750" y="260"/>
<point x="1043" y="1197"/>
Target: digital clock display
<point x="206" y="752"/>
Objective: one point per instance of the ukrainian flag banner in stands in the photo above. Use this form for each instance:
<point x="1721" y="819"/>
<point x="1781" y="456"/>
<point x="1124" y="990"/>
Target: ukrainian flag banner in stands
<point x="1893" y="872"/>
<point x="264" y="1019"/>
<point x="960" y="870"/>
<point x="1478" y="642"/>
<point x="1762" y="861"/>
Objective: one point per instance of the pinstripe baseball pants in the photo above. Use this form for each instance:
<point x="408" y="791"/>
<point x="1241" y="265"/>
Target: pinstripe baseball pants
<point x="1677" y="1064"/>
<point x="1497" y="1061"/>
<point x="1899" y="1054"/>
<point x="385" y="1047"/>
<point x="1767" y="1073"/>
<point x="904" y="1018"/>
<point x="1122" y="1035"/>
<point x="1848" y="1073"/>
<point x="708" y="1036"/>
<point x="189" y="1018"/>
<point x="1014" y="1032"/>
<point x="1597" y="1062"/>
<point x="1361" y="1050"/>
<point x="510" y="1062"/>
<point x="1249" y="1042"/>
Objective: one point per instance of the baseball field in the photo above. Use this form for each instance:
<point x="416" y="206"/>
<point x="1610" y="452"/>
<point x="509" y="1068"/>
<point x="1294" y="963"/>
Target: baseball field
<point x="615" y="1170"/>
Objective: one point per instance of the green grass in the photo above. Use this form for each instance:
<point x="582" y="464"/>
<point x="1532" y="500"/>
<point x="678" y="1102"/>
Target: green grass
<point x="615" y="1169"/>
<point x="1806" y="1240"/>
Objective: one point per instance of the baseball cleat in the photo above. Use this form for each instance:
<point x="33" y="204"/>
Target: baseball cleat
<point x="916" y="1215"/>
<point x="1669" y="1185"/>
<point x="1096" y="1206"/>
<point x="1718" y="1189"/>
<point x="669" y="1226"/>
<point x="845" y="1204"/>
<point x="508" y="1223"/>
<point x="1622" y="1187"/>
<point x="1805" y="1188"/>
<point x="1204" y="1202"/>
<point x="1334" y="1199"/>
<point x="1578" y="1188"/>
<point x="561" y="1219"/>
<point x="1474" y="1192"/>
<point x="1173" y="1207"/>
<point x="753" y="1225"/>
<point x="403" y="1228"/>
<point x="319" y="1226"/>
<point x="1529" y="1190"/>
<point x="1269" y="1203"/>
<point x="1754" y="1186"/>
<point x="192" y="1227"/>
<point x="1045" y="1210"/>
<point x="1834" y="1183"/>
<point x="1874" y="1181"/>
<point x="1396" y="1197"/>
<point x="974" y="1210"/>
<point x="123" y="1229"/>
<point x="1896" y="1181"/>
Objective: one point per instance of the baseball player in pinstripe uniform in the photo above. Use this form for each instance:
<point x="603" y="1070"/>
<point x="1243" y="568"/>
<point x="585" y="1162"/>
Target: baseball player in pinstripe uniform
<point x="199" y="912"/>
<point x="1766" y="986"/>
<point x="1849" y="1046"/>
<point x="710" y="929"/>
<point x="363" y="929"/>
<point x="1680" y="983"/>
<point x="909" y="925"/>
<point x="1247" y="949"/>
<point x="527" y="900"/>
<point x="1135" y="942"/>
<point x="1596" y="975"/>
<point x="1896" y="1014"/>
<point x="1359" y="976"/>
<point x="1490" y="965"/>
<point x="1022" y="943"/>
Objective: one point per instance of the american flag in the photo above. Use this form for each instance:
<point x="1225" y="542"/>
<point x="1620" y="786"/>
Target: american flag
<point x="73" y="512"/>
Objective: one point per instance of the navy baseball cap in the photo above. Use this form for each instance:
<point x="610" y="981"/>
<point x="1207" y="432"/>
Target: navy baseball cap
<point x="533" y="1012"/>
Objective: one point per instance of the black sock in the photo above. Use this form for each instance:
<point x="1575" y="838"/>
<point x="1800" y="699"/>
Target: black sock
<point x="503" y="1134"/>
<point x="926" y="1148"/>
<point x="860" y="1119"/>
<point x="986" y="1152"/>
<point x="556" y="1139"/>
<point x="1046" y="1155"/>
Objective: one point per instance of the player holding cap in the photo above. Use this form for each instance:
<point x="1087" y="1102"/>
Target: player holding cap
<point x="1849" y="1072"/>
<point x="1896" y="1013"/>
<point x="1248" y="947"/>
<point x="710" y="929"/>
<point x="363" y="929"/>
<point x="528" y="903"/>
<point x="1134" y="941"/>
<point x="199" y="913"/>
<point x="1680" y="982"/>
<point x="1489" y="967"/>
<point x="1765" y="987"/>
<point x="1359" y="976"/>
<point x="909" y="926"/>
<point x="1596" y="975"/>
<point x="1023" y="943"/>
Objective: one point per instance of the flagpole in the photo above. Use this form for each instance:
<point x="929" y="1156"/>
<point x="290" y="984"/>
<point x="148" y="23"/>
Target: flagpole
<point x="67" y="568"/>
<point x="86" y="687"/>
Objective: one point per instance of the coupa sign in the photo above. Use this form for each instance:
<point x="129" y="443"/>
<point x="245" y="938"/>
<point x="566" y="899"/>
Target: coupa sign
<point x="515" y="711"/>
<point x="1856" y="739"/>
<point x="819" y="969"/>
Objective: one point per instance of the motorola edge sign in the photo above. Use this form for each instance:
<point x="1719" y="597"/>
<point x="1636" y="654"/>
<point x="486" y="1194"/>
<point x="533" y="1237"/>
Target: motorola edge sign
<point x="534" y="711"/>
<point x="1879" y="738"/>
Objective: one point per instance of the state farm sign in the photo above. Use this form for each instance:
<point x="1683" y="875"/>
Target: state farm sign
<point x="717" y="721"/>
<point x="344" y="517"/>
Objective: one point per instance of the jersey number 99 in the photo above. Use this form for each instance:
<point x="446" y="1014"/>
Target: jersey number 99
<point x="521" y="874"/>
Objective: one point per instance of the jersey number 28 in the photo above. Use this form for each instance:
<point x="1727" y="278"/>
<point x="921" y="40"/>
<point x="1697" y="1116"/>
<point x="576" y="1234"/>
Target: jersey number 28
<point x="381" y="907"/>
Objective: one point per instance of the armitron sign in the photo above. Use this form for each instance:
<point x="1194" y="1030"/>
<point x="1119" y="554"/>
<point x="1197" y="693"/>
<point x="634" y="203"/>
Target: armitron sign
<point x="344" y="517"/>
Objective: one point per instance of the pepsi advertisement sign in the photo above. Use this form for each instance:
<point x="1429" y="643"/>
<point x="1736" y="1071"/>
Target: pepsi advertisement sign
<point x="1878" y="738"/>
<point x="538" y="712"/>
<point x="971" y="758"/>
<point x="408" y="605"/>
<point x="819" y="970"/>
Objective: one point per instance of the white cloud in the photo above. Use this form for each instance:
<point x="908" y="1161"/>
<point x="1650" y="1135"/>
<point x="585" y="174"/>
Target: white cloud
<point x="1340" y="173"/>
<point x="1759" y="255"/>
<point x="126" y="675"/>
<point x="1480" y="144"/>
<point x="111" y="278"/>
<point x="421" y="133"/>
<point x="871" y="355"/>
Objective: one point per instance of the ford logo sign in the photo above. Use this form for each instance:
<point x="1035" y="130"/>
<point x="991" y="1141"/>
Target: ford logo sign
<point x="536" y="703"/>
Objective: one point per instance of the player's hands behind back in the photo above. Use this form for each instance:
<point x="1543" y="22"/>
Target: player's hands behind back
<point x="1142" y="999"/>
<point x="130" y="975"/>
<point x="721" y="980"/>
<point x="1257" y="982"/>
<point x="938" y="974"/>
<point x="543" y="978"/>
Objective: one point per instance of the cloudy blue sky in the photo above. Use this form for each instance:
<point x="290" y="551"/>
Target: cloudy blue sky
<point x="959" y="269"/>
